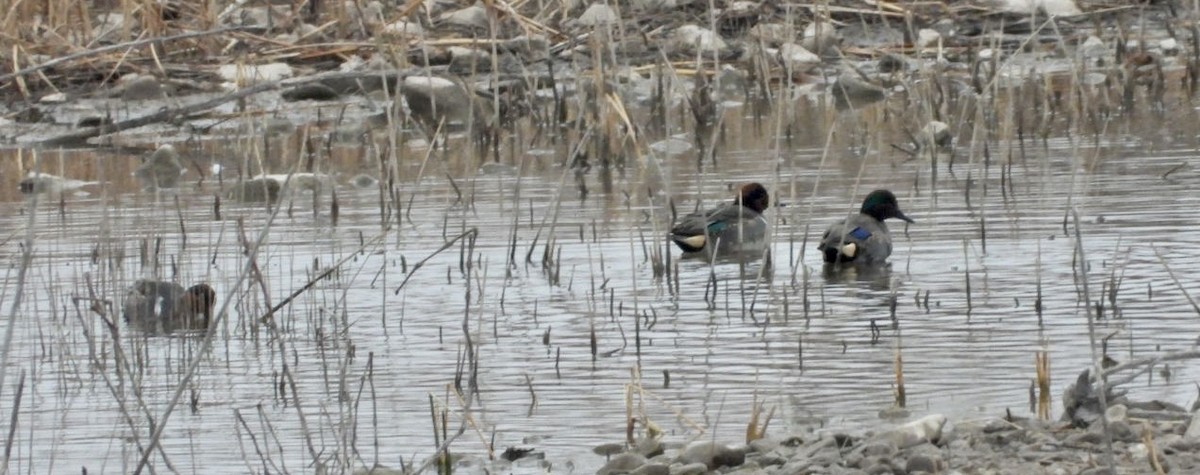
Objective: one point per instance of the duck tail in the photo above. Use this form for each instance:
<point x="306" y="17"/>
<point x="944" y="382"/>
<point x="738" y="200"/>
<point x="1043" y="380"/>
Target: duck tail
<point x="690" y="243"/>
<point x="844" y="253"/>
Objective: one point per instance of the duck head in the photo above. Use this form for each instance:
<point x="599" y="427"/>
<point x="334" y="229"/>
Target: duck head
<point x="197" y="303"/>
<point x="881" y="205"/>
<point x="754" y="196"/>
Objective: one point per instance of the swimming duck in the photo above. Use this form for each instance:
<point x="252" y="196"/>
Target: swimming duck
<point x="161" y="169"/>
<point x="738" y="226"/>
<point x="45" y="183"/>
<point x="165" y="306"/>
<point x="863" y="238"/>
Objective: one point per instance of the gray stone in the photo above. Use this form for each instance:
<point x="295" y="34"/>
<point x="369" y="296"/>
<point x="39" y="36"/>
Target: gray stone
<point x="851" y="91"/>
<point x="652" y="469"/>
<point x="142" y="88"/>
<point x="626" y="462"/>
<point x="923" y="463"/>
<point x="162" y="169"/>
<point x="712" y="454"/>
<point x="696" y="39"/>
<point x="597" y="15"/>
<point x="472" y="17"/>
<point x="689" y="469"/>
<point x="880" y="448"/>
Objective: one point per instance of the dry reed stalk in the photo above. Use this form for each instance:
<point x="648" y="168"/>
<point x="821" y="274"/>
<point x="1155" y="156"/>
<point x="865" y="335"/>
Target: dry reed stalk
<point x="1101" y="382"/>
<point x="1042" y="365"/>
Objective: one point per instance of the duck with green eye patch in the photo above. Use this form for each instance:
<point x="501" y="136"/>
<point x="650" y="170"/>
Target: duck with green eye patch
<point x="733" y="228"/>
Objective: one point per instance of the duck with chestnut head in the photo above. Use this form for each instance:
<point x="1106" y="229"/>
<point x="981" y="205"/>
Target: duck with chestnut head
<point x="736" y="227"/>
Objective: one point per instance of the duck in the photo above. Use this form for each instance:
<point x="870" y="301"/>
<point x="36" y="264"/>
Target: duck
<point x="863" y="238"/>
<point x="738" y="226"/>
<point x="162" y="306"/>
<point x="37" y="183"/>
<point x="161" y="170"/>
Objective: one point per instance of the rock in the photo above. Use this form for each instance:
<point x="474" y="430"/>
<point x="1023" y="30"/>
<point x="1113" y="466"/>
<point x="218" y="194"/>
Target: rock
<point x="689" y="469"/>
<point x="935" y="134"/>
<point x="1116" y="413"/>
<point x="403" y="29"/>
<point x="797" y="59"/>
<point x="137" y="87"/>
<point x="598" y="14"/>
<point x="605" y="450"/>
<point x="162" y="169"/>
<point x="696" y="39"/>
<point x="1081" y="404"/>
<point x="850" y="91"/>
<point x="821" y="38"/>
<point x="242" y="75"/>
<point x="891" y="63"/>
<point x="763" y="445"/>
<point x="626" y="462"/>
<point x="1193" y="428"/>
<point x="36" y="183"/>
<point x="927" y="38"/>
<point x="437" y="102"/>
<point x="923" y="463"/>
<point x="652" y="5"/>
<point x="879" y="448"/>
<point x="363" y="181"/>
<point x="925" y="429"/>
<point x="1169" y="46"/>
<point x="1093" y="48"/>
<point x="1049" y="7"/>
<point x="880" y="469"/>
<point x="474" y="17"/>
<point x="52" y="98"/>
<point x="649" y="446"/>
<point x="310" y="92"/>
<point x="108" y="25"/>
<point x="652" y="469"/>
<point x="773" y="34"/>
<point x="255" y="191"/>
<point x="712" y="454"/>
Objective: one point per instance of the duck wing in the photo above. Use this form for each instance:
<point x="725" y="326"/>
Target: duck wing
<point x="858" y="238"/>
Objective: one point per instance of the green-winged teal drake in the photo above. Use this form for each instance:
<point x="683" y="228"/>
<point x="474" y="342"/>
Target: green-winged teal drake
<point x="734" y="227"/>
<point x="863" y="238"/>
<point x="160" y="306"/>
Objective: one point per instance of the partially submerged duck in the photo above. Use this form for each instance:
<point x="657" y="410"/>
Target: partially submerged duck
<point x="735" y="227"/>
<point x="160" y="306"/>
<point x="863" y="238"/>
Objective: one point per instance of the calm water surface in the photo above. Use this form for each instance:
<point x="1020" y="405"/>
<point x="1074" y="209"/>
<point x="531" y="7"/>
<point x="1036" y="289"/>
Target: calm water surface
<point x="366" y="360"/>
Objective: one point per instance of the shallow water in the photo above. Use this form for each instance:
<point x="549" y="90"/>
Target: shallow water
<point x="796" y="340"/>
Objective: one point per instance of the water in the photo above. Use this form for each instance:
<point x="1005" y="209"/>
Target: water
<point x="366" y="361"/>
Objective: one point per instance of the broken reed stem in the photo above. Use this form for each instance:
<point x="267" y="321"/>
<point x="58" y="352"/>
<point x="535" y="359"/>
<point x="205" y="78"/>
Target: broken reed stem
<point x="1102" y="385"/>
<point x="1171" y="273"/>
<point x="1042" y="363"/>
